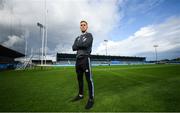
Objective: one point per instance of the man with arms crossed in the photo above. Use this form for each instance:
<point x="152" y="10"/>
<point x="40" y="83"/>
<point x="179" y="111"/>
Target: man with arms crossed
<point x="83" y="46"/>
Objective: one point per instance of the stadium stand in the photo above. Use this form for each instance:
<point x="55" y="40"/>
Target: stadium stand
<point x="7" y="57"/>
<point x="64" y="58"/>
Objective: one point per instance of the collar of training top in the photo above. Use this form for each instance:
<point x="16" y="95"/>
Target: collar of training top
<point x="83" y="33"/>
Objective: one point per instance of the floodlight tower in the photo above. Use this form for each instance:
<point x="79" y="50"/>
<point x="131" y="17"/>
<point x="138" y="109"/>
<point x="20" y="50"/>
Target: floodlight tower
<point x="41" y="35"/>
<point x="106" y="41"/>
<point x="155" y="47"/>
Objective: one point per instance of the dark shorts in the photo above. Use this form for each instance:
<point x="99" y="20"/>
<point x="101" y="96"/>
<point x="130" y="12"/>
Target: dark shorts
<point x="82" y="64"/>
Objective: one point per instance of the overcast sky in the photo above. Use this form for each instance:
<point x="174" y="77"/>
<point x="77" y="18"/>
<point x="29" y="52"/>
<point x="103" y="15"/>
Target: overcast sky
<point x="131" y="27"/>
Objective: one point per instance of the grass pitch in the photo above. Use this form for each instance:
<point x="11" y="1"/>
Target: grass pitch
<point x="117" y="88"/>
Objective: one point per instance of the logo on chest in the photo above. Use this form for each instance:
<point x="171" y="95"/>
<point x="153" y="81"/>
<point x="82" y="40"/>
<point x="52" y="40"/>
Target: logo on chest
<point x="84" y="39"/>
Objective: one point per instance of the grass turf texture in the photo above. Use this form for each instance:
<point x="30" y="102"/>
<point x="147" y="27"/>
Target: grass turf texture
<point x="117" y="88"/>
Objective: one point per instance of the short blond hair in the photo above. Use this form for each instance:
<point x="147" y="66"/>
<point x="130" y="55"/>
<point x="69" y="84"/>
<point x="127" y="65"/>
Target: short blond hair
<point x="84" y="21"/>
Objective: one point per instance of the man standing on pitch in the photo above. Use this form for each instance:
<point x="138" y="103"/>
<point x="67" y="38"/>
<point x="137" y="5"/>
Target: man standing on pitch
<point x="83" y="46"/>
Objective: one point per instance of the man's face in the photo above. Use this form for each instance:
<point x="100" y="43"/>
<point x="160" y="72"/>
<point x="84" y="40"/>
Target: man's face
<point x="83" y="27"/>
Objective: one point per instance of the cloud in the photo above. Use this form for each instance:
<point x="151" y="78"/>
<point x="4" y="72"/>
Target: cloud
<point x="139" y="6"/>
<point x="12" y="40"/>
<point x="21" y="16"/>
<point x="63" y="19"/>
<point x="165" y="34"/>
<point x="1" y="4"/>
